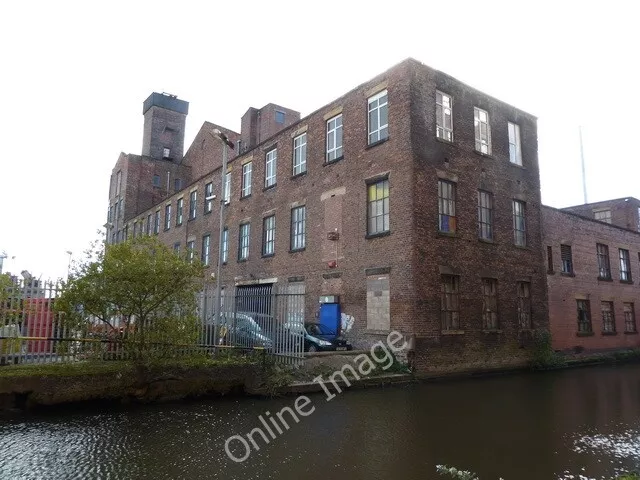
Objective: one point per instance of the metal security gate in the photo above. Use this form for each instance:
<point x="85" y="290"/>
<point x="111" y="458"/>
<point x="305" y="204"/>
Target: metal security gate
<point x="268" y="316"/>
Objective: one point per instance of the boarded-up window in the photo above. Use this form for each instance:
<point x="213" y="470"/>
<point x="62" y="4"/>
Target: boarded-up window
<point x="378" y="303"/>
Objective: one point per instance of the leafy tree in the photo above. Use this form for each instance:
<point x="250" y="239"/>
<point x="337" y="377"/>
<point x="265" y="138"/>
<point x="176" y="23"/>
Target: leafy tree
<point x="139" y="292"/>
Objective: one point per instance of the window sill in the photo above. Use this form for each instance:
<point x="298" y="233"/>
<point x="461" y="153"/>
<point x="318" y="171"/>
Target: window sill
<point x="166" y="229"/>
<point x="492" y="331"/>
<point x="249" y="196"/>
<point x="444" y="140"/>
<point x="207" y="213"/>
<point x="522" y="247"/>
<point x="242" y="260"/>
<point x="270" y="187"/>
<point x="298" y="175"/>
<point x="486" y="155"/>
<point x="631" y="333"/>
<point x="452" y="332"/>
<point x="331" y="162"/>
<point x="604" y="279"/>
<point x="628" y="282"/>
<point x="567" y="274"/>
<point x="375" y="144"/>
<point x="609" y="334"/>
<point x="447" y="234"/>
<point x="377" y="235"/>
<point x="486" y="240"/>
<point x="516" y="165"/>
<point x="297" y="250"/>
<point x="178" y="225"/>
<point x="584" y="334"/>
<point x="191" y="219"/>
<point x="268" y="255"/>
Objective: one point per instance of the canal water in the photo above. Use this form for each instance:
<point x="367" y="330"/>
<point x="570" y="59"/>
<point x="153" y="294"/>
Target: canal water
<point x="557" y="425"/>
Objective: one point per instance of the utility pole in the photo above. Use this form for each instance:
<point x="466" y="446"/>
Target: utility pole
<point x="584" y="175"/>
<point x="226" y="144"/>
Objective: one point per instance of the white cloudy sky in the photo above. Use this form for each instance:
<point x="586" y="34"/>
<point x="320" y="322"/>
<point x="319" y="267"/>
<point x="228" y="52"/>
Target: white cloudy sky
<point x="73" y="76"/>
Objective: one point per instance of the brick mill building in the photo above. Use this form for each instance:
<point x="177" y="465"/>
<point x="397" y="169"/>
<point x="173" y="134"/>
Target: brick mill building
<point x="413" y="198"/>
<point x="593" y="255"/>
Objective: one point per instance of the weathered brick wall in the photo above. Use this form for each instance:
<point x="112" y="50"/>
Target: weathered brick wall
<point x="463" y="253"/>
<point x="163" y="128"/>
<point x="582" y="235"/>
<point x="624" y="211"/>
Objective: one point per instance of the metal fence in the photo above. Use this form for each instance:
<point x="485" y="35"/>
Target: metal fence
<point x="263" y="317"/>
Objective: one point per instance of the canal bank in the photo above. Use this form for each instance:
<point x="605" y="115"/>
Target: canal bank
<point x="30" y="387"/>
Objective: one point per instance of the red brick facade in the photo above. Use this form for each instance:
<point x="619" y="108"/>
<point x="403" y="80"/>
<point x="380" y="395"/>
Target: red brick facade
<point x="623" y="212"/>
<point x="581" y="278"/>
<point x="410" y="259"/>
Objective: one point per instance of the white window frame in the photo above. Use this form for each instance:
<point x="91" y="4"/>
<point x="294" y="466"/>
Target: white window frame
<point x="191" y="247"/>
<point x="298" y="228"/>
<point x="156" y="223"/>
<point x="206" y="246"/>
<point x="442" y="130"/>
<point x="227" y="187"/>
<point x="208" y="197"/>
<point x="482" y="130"/>
<point x="300" y="154"/>
<point x="519" y="223"/>
<point x="193" y="204"/>
<point x="167" y="217"/>
<point x="247" y="170"/>
<point x="179" y="211"/>
<point x="606" y="218"/>
<point x="225" y="245"/>
<point x="243" y="241"/>
<point x="375" y="106"/>
<point x="515" y="148"/>
<point x="334" y="133"/>
<point x="269" y="236"/>
<point x="270" y="168"/>
<point x="378" y="207"/>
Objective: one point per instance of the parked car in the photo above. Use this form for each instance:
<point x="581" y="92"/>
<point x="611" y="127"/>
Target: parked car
<point x="320" y="338"/>
<point x="242" y="330"/>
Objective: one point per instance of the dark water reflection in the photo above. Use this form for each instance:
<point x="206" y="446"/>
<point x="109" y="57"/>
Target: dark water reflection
<point x="537" y="426"/>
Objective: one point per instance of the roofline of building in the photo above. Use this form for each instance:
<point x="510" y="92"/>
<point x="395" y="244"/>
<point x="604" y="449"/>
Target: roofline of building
<point x="589" y="219"/>
<point x="603" y="201"/>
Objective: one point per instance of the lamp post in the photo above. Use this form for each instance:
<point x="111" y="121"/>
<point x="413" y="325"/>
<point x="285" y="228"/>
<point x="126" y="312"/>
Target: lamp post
<point x="226" y="144"/>
<point x="70" y="253"/>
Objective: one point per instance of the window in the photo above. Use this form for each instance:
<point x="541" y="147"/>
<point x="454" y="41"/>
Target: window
<point x="227" y="187"/>
<point x="515" y="152"/>
<point x="135" y="229"/>
<point x="567" y="258"/>
<point x="524" y="304"/>
<point x="625" y="265"/>
<point x="485" y="215"/>
<point x="176" y="248"/>
<point x="378" y="207"/>
<point x="549" y="259"/>
<point x="604" y="268"/>
<point x="156" y="223"/>
<point x="489" y="304"/>
<point x="603" y="216"/>
<point x="446" y="206"/>
<point x="298" y="226"/>
<point x="177" y="185"/>
<point x="246" y="180"/>
<point x="166" y="152"/>
<point x="206" y="244"/>
<point x="191" y="247"/>
<point x="179" y="209"/>
<point x="225" y="245"/>
<point x="243" y="243"/>
<point x="378" y="117"/>
<point x="149" y="224"/>
<point x="584" y="316"/>
<point x="334" y="138"/>
<point x="156" y="180"/>
<point x="167" y="217"/>
<point x="519" y="224"/>
<point x="629" y="318"/>
<point x="193" y="205"/>
<point x="608" y="317"/>
<point x="120" y="209"/>
<point x="208" y="197"/>
<point x="270" y="162"/>
<point x="279" y="116"/>
<point x="444" y="116"/>
<point x="450" y="302"/>
<point x="118" y="182"/>
<point x="126" y="233"/>
<point x="109" y="214"/>
<point x="483" y="130"/>
<point x="268" y="235"/>
<point x="300" y="154"/>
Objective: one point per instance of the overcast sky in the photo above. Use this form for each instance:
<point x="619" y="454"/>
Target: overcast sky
<point x="74" y="76"/>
